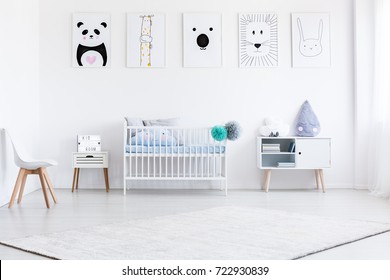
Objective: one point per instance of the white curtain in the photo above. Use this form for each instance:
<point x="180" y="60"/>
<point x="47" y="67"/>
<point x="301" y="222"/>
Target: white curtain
<point x="380" y="135"/>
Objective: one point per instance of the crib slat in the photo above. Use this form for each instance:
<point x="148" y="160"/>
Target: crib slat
<point x="214" y="158"/>
<point x="130" y="155"/>
<point x="190" y="156"/>
<point x="184" y="154"/>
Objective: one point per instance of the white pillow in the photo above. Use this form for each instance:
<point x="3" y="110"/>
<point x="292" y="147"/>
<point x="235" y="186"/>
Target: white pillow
<point x="168" y="122"/>
<point x="133" y="122"/>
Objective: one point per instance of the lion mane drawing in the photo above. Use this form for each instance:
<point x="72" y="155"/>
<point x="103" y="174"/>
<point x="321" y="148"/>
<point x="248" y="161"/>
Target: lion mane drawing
<point x="258" y="40"/>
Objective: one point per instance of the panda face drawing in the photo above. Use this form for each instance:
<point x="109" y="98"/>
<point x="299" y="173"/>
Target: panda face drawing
<point x="91" y="50"/>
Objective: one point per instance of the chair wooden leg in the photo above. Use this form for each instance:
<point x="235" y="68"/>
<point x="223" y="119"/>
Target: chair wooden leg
<point x="17" y="186"/>
<point x="43" y="184"/>
<point x="22" y="187"/>
<point x="49" y="184"/>
<point x="106" y="179"/>
<point x="77" y="178"/>
<point x="74" y="179"/>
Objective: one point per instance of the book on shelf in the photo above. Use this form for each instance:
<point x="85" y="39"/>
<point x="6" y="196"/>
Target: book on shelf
<point x="271" y="148"/>
<point x="291" y="147"/>
<point x="285" y="164"/>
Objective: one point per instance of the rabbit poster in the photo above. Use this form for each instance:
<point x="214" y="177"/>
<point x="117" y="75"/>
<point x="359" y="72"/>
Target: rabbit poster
<point x="145" y="40"/>
<point x="310" y="40"/>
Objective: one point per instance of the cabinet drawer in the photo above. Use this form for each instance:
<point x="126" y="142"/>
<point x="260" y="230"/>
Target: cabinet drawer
<point x="90" y="160"/>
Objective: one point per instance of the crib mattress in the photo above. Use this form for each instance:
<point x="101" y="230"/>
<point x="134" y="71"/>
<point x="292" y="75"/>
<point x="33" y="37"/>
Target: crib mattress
<point x="175" y="149"/>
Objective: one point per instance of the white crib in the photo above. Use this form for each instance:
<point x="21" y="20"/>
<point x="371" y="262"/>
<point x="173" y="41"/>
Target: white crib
<point x="173" y="153"/>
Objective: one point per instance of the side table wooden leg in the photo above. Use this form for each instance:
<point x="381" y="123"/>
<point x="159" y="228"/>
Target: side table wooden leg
<point x="106" y="179"/>
<point x="77" y="178"/>
<point x="321" y="172"/>
<point x="74" y="178"/>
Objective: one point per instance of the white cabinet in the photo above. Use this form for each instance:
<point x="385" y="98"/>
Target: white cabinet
<point x="294" y="153"/>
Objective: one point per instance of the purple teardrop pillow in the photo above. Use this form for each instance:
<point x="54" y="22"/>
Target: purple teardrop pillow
<point x="307" y="122"/>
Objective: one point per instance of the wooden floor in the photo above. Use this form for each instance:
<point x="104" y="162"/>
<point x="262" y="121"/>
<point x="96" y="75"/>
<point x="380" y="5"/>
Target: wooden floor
<point x="92" y="207"/>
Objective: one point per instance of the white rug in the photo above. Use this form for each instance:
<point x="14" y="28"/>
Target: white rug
<point x="216" y="233"/>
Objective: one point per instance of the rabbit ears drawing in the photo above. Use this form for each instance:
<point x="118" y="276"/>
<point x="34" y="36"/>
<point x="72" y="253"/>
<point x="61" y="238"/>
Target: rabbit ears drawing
<point x="310" y="47"/>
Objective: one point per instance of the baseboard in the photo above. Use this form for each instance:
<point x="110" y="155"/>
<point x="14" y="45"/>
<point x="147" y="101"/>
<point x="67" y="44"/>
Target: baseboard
<point x="361" y="187"/>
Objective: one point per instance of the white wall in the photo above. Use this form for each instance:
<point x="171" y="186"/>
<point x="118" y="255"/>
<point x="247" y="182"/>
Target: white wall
<point x="89" y="101"/>
<point x="364" y="77"/>
<point x="19" y="87"/>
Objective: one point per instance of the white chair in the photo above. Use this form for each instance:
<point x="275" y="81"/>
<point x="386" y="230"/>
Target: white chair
<point x="31" y="167"/>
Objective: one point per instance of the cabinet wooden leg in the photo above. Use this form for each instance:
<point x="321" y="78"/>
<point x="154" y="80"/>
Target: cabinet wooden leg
<point x="106" y="179"/>
<point x="267" y="179"/>
<point x="317" y="174"/>
<point x="321" y="172"/>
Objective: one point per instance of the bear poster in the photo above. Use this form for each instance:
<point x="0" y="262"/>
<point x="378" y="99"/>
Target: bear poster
<point x="145" y="40"/>
<point x="310" y="39"/>
<point x="91" y="40"/>
<point x="258" y="40"/>
<point x="202" y="40"/>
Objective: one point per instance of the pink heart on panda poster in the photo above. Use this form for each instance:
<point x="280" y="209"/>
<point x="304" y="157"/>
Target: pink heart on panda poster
<point x="91" y="59"/>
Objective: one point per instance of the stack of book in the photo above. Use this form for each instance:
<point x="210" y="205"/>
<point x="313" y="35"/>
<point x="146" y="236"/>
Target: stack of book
<point x="88" y="143"/>
<point x="271" y="148"/>
<point x="286" y="164"/>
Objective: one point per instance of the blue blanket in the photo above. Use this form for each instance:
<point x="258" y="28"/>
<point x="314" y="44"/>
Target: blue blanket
<point x="175" y="149"/>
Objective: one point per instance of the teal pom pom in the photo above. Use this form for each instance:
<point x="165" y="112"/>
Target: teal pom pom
<point x="219" y="133"/>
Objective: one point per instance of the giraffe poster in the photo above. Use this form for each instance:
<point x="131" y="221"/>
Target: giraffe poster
<point x="145" y="40"/>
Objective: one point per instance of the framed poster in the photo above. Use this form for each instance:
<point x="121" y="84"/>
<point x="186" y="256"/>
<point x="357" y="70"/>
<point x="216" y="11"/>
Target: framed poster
<point x="202" y="40"/>
<point x="311" y="40"/>
<point x="91" y="40"/>
<point x="258" y="40"/>
<point x="145" y="40"/>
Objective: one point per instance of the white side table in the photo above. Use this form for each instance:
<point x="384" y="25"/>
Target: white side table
<point x="89" y="160"/>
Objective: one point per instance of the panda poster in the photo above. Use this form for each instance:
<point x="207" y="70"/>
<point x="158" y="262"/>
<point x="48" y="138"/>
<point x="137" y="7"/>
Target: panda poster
<point x="91" y="40"/>
<point x="202" y="40"/>
<point x="310" y="39"/>
<point x="145" y="40"/>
